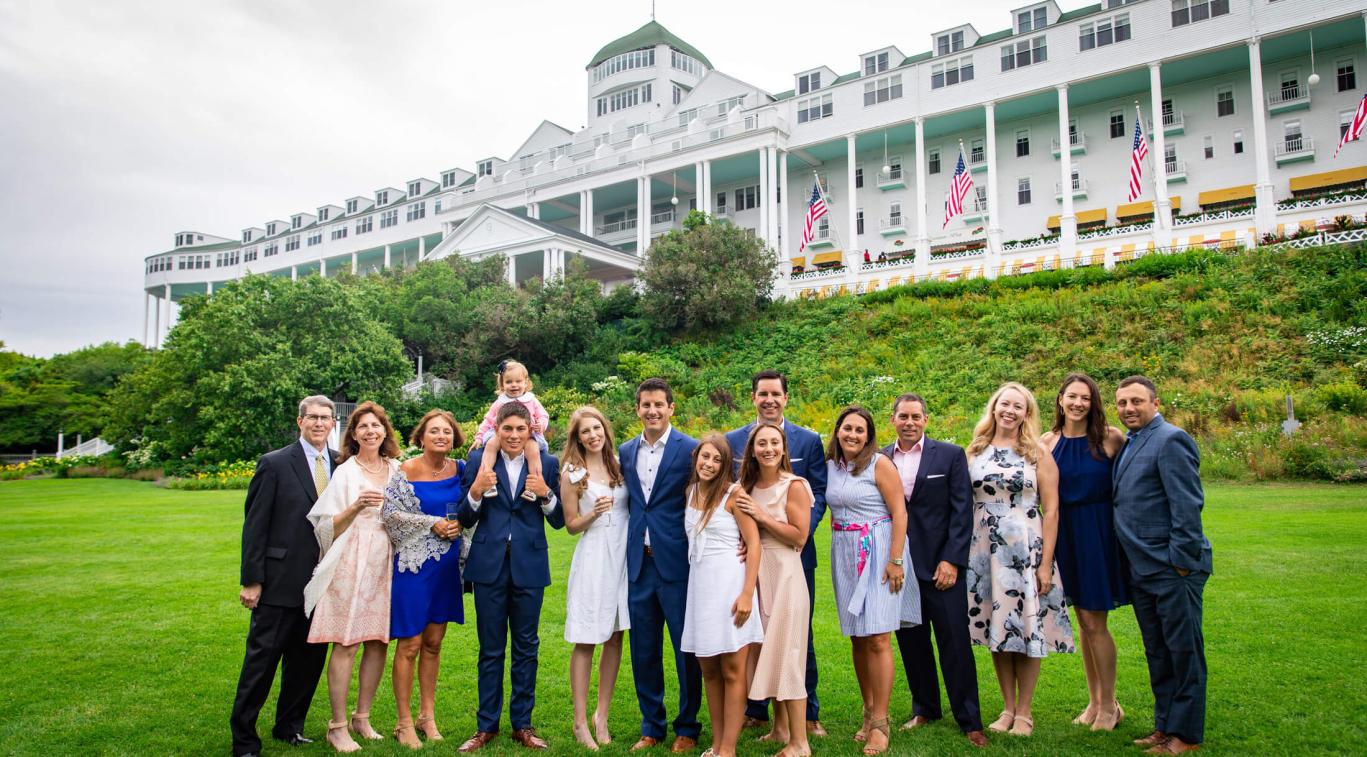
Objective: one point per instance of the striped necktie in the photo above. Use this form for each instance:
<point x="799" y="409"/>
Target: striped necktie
<point x="320" y="474"/>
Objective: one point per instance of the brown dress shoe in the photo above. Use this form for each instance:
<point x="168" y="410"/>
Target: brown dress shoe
<point x="754" y="723"/>
<point x="976" y="738"/>
<point x="477" y="742"/>
<point x="646" y="742"/>
<point x="1153" y="739"/>
<point x="683" y="744"/>
<point x="815" y="728"/>
<point x="1173" y="745"/>
<point x="916" y="722"/>
<point x="527" y="737"/>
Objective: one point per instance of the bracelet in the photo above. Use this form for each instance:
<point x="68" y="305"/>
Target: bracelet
<point x="896" y="561"/>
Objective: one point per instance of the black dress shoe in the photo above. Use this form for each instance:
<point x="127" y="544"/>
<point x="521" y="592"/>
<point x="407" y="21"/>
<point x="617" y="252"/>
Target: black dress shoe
<point x="295" y="739"/>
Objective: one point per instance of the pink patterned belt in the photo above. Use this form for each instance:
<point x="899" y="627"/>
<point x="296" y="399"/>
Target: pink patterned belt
<point x="862" y="548"/>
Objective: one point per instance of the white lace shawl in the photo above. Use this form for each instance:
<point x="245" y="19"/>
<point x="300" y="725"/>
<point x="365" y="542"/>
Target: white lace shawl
<point x="346" y="484"/>
<point x="410" y="529"/>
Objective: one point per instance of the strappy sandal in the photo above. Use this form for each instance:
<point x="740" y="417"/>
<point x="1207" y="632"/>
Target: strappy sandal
<point x="1026" y="731"/>
<point x="360" y="725"/>
<point x="1119" y="718"/>
<point x="1003" y="722"/>
<point x="427" y="726"/>
<point x="862" y="735"/>
<point x="406" y="734"/>
<point x="880" y="725"/>
<point x="345" y="747"/>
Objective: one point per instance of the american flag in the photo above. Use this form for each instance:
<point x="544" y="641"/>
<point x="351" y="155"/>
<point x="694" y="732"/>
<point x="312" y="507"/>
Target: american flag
<point x="1137" y="155"/>
<point x="958" y="189"/>
<point x="816" y="208"/>
<point x="1355" y="128"/>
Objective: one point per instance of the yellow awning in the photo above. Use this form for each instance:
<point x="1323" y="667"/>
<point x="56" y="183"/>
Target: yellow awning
<point x="1097" y="215"/>
<point x="1329" y="179"/>
<point x="1145" y="208"/>
<point x="798" y="262"/>
<point x="1231" y="194"/>
<point x="834" y="256"/>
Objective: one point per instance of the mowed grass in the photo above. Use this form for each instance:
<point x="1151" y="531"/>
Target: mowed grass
<point x="122" y="635"/>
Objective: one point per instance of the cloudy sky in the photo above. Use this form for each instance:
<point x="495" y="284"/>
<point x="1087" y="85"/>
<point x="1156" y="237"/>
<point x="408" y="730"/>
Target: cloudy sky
<point x="126" y="121"/>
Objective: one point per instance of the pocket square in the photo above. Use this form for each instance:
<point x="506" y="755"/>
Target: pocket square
<point x="935" y="475"/>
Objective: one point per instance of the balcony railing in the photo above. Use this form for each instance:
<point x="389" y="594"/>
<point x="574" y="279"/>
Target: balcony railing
<point x="617" y="226"/>
<point x="1079" y="187"/>
<point x="1175" y="169"/>
<point x="664" y="216"/>
<point x="1173" y="122"/>
<point x="891" y="223"/>
<point x="1077" y="142"/>
<point x="1296" y="145"/>
<point x="1288" y="98"/>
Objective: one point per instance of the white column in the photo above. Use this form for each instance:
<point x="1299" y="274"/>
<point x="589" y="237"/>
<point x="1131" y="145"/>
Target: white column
<point x="166" y="331"/>
<point x="534" y="210"/>
<point x="386" y="257"/>
<point x="323" y="268"/>
<point x="853" y="254"/>
<point x="763" y="229"/>
<point x="146" y="306"/>
<point x="1162" y="206"/>
<point x="771" y="197"/>
<point x="642" y="215"/>
<point x="1068" y="219"/>
<point x="422" y="246"/>
<point x="781" y="228"/>
<point x="294" y="273"/>
<point x="707" y="185"/>
<point x="511" y="271"/>
<point x="210" y="286"/>
<point x="1265" y="211"/>
<point x="156" y="321"/>
<point x="586" y="212"/>
<point x="921" y="265"/>
<point x="354" y="270"/>
<point x="994" y="227"/>
<point x="546" y="264"/>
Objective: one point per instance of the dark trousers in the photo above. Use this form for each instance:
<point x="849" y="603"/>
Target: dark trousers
<point x="946" y="614"/>
<point x="277" y="636"/>
<point x="652" y="603"/>
<point x="1167" y="607"/>
<point x="501" y="609"/>
<point x="759" y="709"/>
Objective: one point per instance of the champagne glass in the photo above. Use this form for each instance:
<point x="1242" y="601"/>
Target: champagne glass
<point x="607" y="516"/>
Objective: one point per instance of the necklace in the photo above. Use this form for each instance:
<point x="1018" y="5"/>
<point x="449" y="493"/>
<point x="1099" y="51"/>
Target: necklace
<point x="367" y="469"/>
<point x="445" y="461"/>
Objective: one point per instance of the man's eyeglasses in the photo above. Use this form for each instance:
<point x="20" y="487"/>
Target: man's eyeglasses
<point x="317" y="418"/>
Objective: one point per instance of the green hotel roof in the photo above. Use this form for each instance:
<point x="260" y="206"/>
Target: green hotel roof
<point x="650" y="35"/>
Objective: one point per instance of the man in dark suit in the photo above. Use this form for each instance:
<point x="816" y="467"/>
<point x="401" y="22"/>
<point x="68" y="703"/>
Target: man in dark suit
<point x="656" y="466"/>
<point x="510" y="570"/>
<point x="1158" y="500"/>
<point x="769" y="394"/>
<point x="939" y="498"/>
<point x="279" y="553"/>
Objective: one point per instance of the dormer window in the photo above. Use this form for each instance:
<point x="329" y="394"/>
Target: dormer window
<point x="270" y="227"/>
<point x="246" y="236"/>
<point x="382" y="198"/>
<point x="729" y="104"/>
<point x="809" y="82"/>
<point x="878" y="62"/>
<point x="485" y="168"/>
<point x="351" y="206"/>
<point x="323" y="214"/>
<point x="448" y="180"/>
<point x="949" y="43"/>
<point x="1031" y="20"/>
<point x="414" y="187"/>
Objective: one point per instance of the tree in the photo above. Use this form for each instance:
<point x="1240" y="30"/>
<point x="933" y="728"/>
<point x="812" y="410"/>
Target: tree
<point x="67" y="392"/>
<point x="710" y="275"/>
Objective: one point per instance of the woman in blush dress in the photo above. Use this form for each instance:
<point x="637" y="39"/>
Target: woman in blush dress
<point x="870" y="561"/>
<point x="348" y="597"/>
<point x="1015" y="605"/>
<point x="419" y="514"/>
<point x="1083" y="446"/>
<point x="595" y="503"/>
<point x="781" y="505"/>
<point x="719" y="620"/>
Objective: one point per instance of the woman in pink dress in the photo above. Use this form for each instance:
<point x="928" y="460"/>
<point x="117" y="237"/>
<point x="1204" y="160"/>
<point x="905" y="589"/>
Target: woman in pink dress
<point x="348" y="597"/>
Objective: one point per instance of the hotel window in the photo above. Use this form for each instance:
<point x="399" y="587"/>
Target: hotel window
<point x="894" y="169"/>
<point x="389" y="218"/>
<point x="351" y="206"/>
<point x="882" y="90"/>
<point x="249" y="255"/>
<point x="878" y="62"/>
<point x="1170" y="157"/>
<point x="625" y="62"/>
<point x="1104" y="32"/>
<point x="1190" y="11"/>
<point x="364" y="225"/>
<point x="246" y="236"/>
<point x="1024" y="53"/>
<point x="417" y="210"/>
<point x="949" y="43"/>
<point x="951" y="73"/>
<point x="270" y="227"/>
<point x="1031" y="20"/>
<point x="1345" y="120"/>
<point x="1118" y="3"/>
<point x="271" y="250"/>
<point x="678" y="94"/>
<point x="725" y="106"/>
<point x="485" y="168"/>
<point x="933" y="161"/>
<point x="980" y="198"/>
<point x="814" y="109"/>
<point x="322" y="214"/>
<point x="976" y="151"/>
<point x="1208" y="146"/>
<point x="314" y="238"/>
<point x="682" y="62"/>
<point x="1117" y="124"/>
<point x="436" y="206"/>
<point x="1022" y="143"/>
<point x="721" y="203"/>
<point x="1023" y="191"/>
<point x="1292" y="140"/>
<point x="414" y="187"/>
<point x="382" y="198"/>
<point x="627" y="98"/>
<point x="1168" y="113"/>
<point x="1239" y="141"/>
<point x="894" y="214"/>
<point x="448" y="180"/>
<point x="339" y="233"/>
<point x="747" y="198"/>
<point x="858" y="221"/>
<point x="809" y="83"/>
<point x="1347" y="76"/>
<point x="292" y="243"/>
<point x="1224" y="101"/>
<point x="858" y="177"/>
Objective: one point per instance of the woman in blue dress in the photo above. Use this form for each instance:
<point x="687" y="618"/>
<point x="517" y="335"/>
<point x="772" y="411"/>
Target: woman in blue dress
<point x="1083" y="445"/>
<point x="426" y="592"/>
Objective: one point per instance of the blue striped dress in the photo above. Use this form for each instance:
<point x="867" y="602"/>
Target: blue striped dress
<point x="862" y="534"/>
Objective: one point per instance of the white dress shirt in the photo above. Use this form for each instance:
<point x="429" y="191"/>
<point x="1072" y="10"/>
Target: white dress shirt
<point x="908" y="464"/>
<point x="648" y="458"/>
<point x="313" y="453"/>
<point x="513" y="466"/>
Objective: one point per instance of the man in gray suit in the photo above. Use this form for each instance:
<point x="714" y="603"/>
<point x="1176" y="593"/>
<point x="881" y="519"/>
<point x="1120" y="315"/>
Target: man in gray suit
<point x="1158" y="500"/>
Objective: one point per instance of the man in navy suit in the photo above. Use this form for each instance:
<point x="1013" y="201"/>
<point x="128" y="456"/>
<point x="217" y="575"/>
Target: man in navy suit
<point x="1158" y="498"/>
<point x="510" y="570"/>
<point x="939" y="498"/>
<point x="656" y="466"/>
<point x="769" y="393"/>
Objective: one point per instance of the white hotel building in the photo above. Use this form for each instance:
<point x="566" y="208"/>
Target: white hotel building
<point x="1241" y="126"/>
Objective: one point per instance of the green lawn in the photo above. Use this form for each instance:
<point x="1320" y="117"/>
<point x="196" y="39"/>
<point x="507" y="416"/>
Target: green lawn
<point x="119" y="617"/>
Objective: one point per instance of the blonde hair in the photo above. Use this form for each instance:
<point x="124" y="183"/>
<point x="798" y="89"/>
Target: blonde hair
<point x="509" y="365"/>
<point x="1027" y="438"/>
<point x="575" y="454"/>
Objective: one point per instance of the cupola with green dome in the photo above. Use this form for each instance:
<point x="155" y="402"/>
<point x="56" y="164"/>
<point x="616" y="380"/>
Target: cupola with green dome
<point x="633" y="76"/>
<point x="651" y="34"/>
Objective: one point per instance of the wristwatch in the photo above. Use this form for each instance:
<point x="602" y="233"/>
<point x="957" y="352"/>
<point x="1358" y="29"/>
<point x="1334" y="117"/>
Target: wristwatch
<point x="896" y="561"/>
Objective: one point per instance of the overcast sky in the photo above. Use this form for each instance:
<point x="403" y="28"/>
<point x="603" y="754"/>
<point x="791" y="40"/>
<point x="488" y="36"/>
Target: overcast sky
<point x="125" y="121"/>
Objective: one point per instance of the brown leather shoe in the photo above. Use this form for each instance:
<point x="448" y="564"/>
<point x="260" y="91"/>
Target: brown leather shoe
<point x="683" y="744"/>
<point x="815" y="728"/>
<point x="1153" y="739"/>
<point x="527" y="737"/>
<point x="477" y="742"/>
<point x="754" y="723"/>
<point x="646" y="742"/>
<point x="916" y="722"/>
<point x="1173" y="745"/>
<point x="976" y="738"/>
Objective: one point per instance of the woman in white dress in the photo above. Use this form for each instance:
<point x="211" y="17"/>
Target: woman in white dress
<point x="719" y="620"/>
<point x="348" y="597"/>
<point x="595" y="504"/>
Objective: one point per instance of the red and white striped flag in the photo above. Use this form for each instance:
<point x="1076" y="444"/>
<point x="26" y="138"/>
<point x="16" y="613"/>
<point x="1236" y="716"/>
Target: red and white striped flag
<point x="1355" y="127"/>
<point x="958" y="189"/>
<point x="816" y="208"/>
<point x="1137" y="155"/>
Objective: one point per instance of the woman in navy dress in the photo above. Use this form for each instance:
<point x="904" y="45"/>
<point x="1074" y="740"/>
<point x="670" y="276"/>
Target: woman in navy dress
<point x="1083" y="445"/>
<point x="426" y="592"/>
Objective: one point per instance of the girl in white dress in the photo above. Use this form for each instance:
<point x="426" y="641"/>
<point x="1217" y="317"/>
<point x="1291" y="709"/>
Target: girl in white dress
<point x="719" y="619"/>
<point x="595" y="503"/>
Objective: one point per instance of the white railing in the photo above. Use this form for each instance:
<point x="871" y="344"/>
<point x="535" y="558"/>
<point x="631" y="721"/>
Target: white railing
<point x="891" y="176"/>
<point x="1175" y="167"/>
<point x="1320" y="202"/>
<point x="1075" y="139"/>
<point x="664" y="216"/>
<point x="1171" y="119"/>
<point x="959" y="255"/>
<point x="879" y="265"/>
<point x="617" y="226"/>
<point x="1223" y="215"/>
<point x="1295" y="146"/>
<point x="94" y="447"/>
<point x="1288" y="95"/>
<point x="1079" y="186"/>
<point x="1115" y="231"/>
<point x="1030" y="244"/>
<point x="888" y="224"/>
<point x="976" y="159"/>
<point x="817" y="274"/>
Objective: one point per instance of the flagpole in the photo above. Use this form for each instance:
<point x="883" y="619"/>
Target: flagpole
<point x="1139" y="114"/>
<point x="816" y="177"/>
